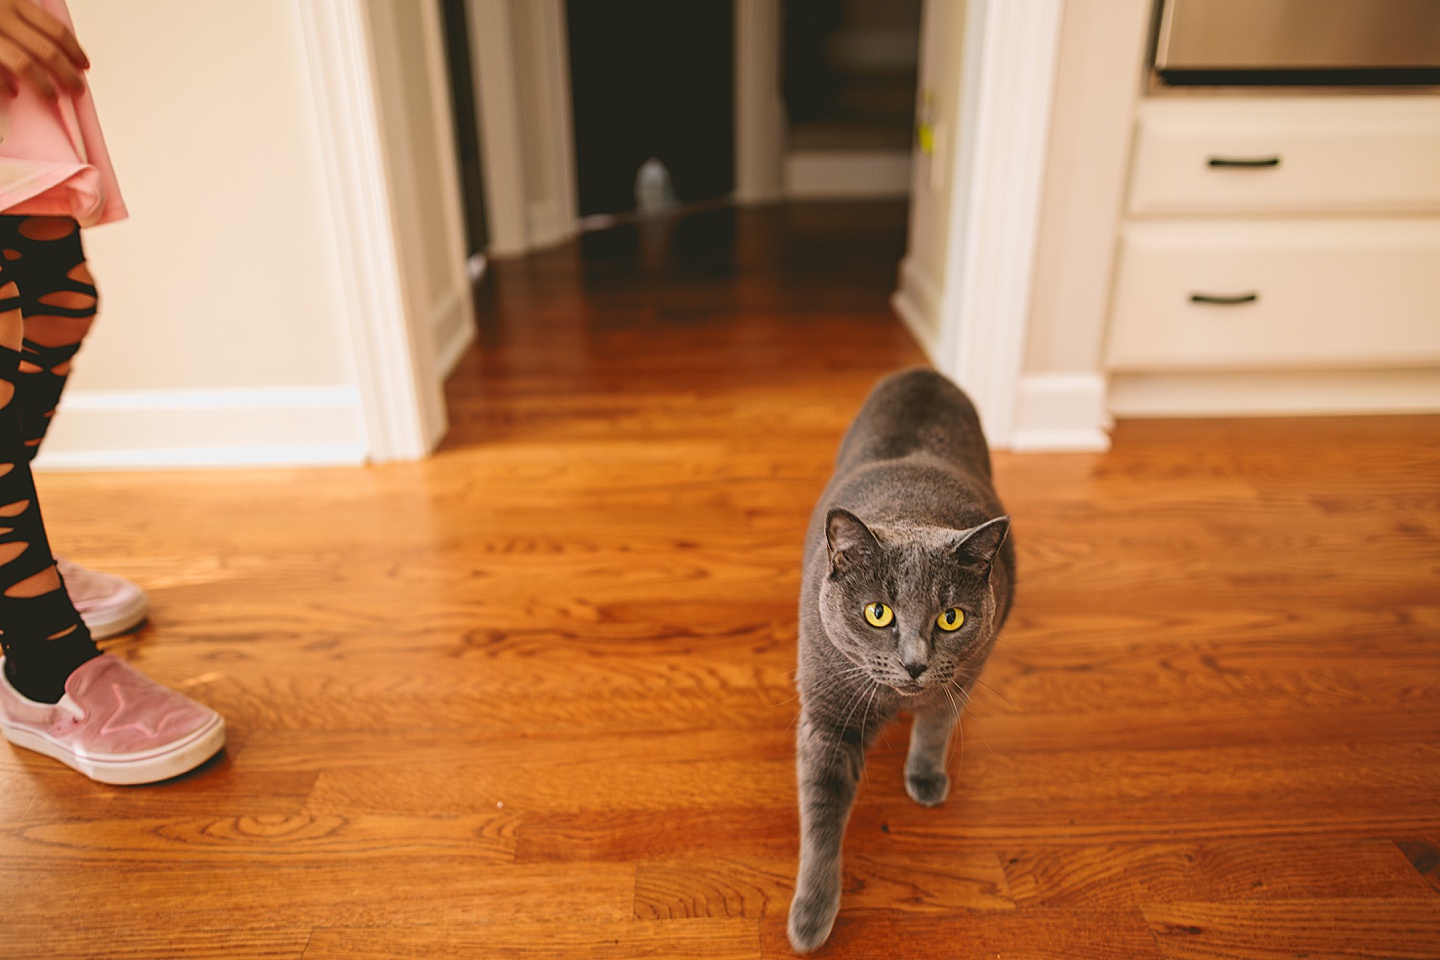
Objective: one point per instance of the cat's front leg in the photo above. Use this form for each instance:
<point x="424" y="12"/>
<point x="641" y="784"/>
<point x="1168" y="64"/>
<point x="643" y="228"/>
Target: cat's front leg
<point x="828" y="769"/>
<point x="925" y="778"/>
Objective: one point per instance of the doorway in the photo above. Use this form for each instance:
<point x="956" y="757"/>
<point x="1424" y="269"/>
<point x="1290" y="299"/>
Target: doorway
<point x="652" y="79"/>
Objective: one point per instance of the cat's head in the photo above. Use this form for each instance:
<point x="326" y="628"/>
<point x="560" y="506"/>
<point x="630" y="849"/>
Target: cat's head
<point x="911" y="605"/>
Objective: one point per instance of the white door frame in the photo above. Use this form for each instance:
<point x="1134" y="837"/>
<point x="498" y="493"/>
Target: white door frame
<point x="760" y="124"/>
<point x="399" y="399"/>
<point x="520" y="58"/>
<point x="1007" y="82"/>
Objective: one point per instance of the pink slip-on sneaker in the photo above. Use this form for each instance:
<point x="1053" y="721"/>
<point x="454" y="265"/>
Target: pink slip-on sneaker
<point x="108" y="604"/>
<point x="114" y="724"/>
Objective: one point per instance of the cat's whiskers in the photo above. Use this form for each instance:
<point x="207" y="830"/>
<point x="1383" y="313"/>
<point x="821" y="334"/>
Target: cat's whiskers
<point x="970" y="706"/>
<point x="845" y="725"/>
<point x="874" y="689"/>
<point x="987" y="686"/>
<point x="959" y="725"/>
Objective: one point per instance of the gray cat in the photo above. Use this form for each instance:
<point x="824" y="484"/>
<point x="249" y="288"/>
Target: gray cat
<point x="908" y="578"/>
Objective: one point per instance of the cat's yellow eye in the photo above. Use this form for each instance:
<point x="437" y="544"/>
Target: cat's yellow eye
<point x="951" y="620"/>
<point x="878" y="615"/>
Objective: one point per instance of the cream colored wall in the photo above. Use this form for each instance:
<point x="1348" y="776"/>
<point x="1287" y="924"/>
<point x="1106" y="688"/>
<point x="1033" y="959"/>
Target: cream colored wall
<point x="224" y="276"/>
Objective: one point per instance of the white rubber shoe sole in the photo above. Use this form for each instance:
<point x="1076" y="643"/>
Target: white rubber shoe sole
<point x="160" y="764"/>
<point x="114" y="622"/>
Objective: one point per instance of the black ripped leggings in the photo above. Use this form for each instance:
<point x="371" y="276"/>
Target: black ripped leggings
<point x="47" y="303"/>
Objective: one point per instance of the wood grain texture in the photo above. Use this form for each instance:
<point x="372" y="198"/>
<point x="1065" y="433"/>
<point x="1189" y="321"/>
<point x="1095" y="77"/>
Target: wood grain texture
<point x="1298" y="928"/>
<point x="701" y="939"/>
<point x="1118" y="875"/>
<point x="941" y="883"/>
<point x="1021" y="935"/>
<point x="532" y="697"/>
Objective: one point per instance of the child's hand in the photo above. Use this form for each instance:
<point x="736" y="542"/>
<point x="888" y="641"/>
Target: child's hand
<point x="38" y="49"/>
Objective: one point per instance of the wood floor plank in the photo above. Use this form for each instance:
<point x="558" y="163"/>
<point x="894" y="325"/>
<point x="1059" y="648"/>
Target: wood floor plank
<point x="580" y="784"/>
<point x="978" y="935"/>
<point x="703" y="939"/>
<point x="290" y="750"/>
<point x="1318" y="929"/>
<point x="1135" y="874"/>
<point x="942" y="883"/>
<point x="634" y="835"/>
<point x="76" y="939"/>
<point x="302" y="891"/>
<point x="34" y="789"/>
<point x="257" y="840"/>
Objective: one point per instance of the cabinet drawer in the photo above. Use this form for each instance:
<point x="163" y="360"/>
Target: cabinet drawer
<point x="1293" y="154"/>
<point x="1333" y="293"/>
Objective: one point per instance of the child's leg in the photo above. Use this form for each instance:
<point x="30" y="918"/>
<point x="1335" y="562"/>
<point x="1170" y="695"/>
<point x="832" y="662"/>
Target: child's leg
<point x="43" y="637"/>
<point x="58" y="300"/>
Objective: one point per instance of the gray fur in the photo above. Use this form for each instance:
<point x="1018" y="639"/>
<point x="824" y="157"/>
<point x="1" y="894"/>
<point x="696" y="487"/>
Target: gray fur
<point x="909" y="519"/>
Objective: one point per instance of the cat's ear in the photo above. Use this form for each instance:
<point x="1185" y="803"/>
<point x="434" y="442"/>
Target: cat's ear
<point x="979" y="545"/>
<point x="849" y="540"/>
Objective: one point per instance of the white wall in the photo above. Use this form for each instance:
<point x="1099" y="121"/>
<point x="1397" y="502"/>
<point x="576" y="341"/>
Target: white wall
<point x="221" y="322"/>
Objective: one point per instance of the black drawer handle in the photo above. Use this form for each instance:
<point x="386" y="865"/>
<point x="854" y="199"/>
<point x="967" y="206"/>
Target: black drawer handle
<point x="1245" y="162"/>
<point x="1224" y="301"/>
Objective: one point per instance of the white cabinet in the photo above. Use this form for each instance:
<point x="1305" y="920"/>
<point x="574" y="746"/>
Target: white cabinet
<point x="1291" y="155"/>
<point x="1245" y="294"/>
<point x="1277" y="234"/>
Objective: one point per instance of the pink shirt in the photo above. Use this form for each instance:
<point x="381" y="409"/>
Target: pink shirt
<point x="53" y="160"/>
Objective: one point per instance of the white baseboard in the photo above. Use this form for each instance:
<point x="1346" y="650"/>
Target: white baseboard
<point x="917" y="301"/>
<point x="453" y="347"/>
<point x="243" y="426"/>
<point x="454" y="331"/>
<point x="847" y="174"/>
<point x="1060" y="411"/>
<point x="1279" y="393"/>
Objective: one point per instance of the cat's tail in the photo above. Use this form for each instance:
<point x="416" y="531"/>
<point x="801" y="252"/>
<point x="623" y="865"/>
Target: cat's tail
<point x="911" y="411"/>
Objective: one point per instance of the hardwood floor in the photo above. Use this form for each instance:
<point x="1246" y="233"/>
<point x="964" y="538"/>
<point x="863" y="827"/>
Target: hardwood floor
<point x="532" y="698"/>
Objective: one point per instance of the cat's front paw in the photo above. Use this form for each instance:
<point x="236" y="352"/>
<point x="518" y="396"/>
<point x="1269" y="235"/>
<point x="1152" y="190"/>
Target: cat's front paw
<point x="811" y="917"/>
<point x="928" y="789"/>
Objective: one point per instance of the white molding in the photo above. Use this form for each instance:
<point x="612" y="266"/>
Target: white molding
<point x="1060" y="411"/>
<point x="521" y="56"/>
<point x="1278" y="393"/>
<point x="454" y="333"/>
<point x="917" y="300"/>
<point x="451" y="313"/>
<point x="227" y="427"/>
<point x="1008" y="70"/>
<point x="847" y="174"/>
<point x="343" y="83"/>
<point x="497" y="99"/>
<point x="760" y="123"/>
<point x="551" y="222"/>
<point x="564" y="183"/>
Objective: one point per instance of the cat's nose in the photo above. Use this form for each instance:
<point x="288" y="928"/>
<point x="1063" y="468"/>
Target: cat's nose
<point x="915" y="669"/>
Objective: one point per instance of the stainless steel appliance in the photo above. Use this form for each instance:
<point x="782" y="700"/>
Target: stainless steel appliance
<point x="1299" y="42"/>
